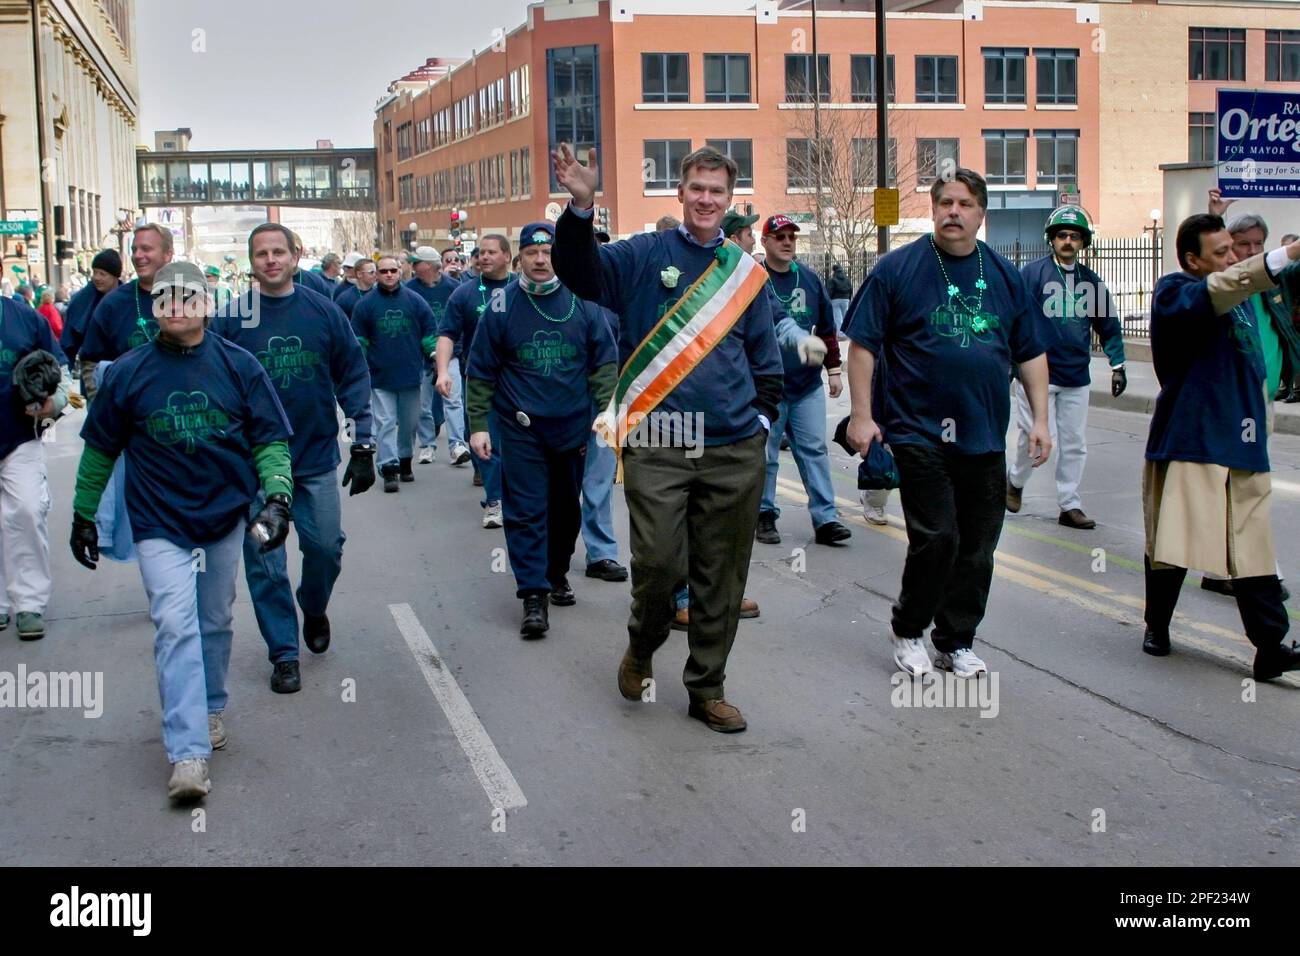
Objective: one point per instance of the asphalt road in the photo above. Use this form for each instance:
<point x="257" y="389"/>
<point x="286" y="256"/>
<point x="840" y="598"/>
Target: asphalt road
<point x="1095" y="754"/>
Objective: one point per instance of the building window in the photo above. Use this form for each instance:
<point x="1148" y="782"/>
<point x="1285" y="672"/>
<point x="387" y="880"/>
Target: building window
<point x="801" y="165"/>
<point x="1058" y="155"/>
<point x="1058" y="76"/>
<point x="864" y="162"/>
<point x="388" y="136"/>
<point x="936" y="79"/>
<point x="934" y="157"/>
<point x="741" y="152"/>
<point x="665" y="78"/>
<point x="862" y="69"/>
<point x="1282" y="56"/>
<point x="525" y="173"/>
<point x="663" y="162"/>
<point x="1200" y="138"/>
<point x="726" y="77"/>
<point x="573" y="100"/>
<point x="424" y="135"/>
<point x="514" y="174"/>
<point x="1004" y="156"/>
<point x="406" y="199"/>
<point x="1215" y="53"/>
<point x="799" y="80"/>
<point x="1004" y="75"/>
<point x="404" y="142"/>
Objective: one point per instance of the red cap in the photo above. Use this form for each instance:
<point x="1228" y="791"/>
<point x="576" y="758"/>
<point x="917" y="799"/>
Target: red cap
<point x="777" y="223"/>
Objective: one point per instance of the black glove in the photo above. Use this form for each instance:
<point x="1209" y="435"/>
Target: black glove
<point x="361" y="469"/>
<point x="85" y="541"/>
<point x="274" y="519"/>
<point x="1118" y="382"/>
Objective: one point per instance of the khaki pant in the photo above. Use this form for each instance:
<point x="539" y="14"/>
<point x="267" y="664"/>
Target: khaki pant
<point x="698" y="513"/>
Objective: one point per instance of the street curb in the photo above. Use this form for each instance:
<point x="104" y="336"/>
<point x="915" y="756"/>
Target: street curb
<point x="1284" y="423"/>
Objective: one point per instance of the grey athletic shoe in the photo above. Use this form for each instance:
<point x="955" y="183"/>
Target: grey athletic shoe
<point x="189" y="780"/>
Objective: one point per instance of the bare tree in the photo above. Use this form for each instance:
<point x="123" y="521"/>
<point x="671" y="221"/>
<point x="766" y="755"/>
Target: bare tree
<point x="355" y="232"/>
<point x="840" y="194"/>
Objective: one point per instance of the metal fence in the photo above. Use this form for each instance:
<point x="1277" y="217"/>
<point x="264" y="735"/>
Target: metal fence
<point x="1129" y="267"/>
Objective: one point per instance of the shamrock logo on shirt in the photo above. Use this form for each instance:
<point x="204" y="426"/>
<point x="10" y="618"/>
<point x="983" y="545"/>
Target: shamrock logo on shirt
<point x="394" y="322"/>
<point x="546" y="351"/>
<point x="8" y="358"/>
<point x="285" y="361"/>
<point x="960" y="321"/>
<point x="186" y="418"/>
<point x="144" y="333"/>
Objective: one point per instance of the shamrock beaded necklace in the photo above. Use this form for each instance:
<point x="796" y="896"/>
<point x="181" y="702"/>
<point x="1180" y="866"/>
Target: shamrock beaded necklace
<point x="573" y="302"/>
<point x="954" y="291"/>
<point x="785" y="299"/>
<point x="139" y="316"/>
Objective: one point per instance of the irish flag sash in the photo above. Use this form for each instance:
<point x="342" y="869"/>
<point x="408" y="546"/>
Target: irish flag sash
<point x="697" y="322"/>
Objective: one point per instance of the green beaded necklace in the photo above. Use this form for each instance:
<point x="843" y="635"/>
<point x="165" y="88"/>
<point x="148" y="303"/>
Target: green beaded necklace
<point x="954" y="292"/>
<point x="786" y="299"/>
<point x="573" y="303"/>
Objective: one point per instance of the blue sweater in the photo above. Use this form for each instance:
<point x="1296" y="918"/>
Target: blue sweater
<point x="801" y="295"/>
<point x="1072" y="309"/>
<point x="22" y="330"/>
<point x="436" y="295"/>
<point x="312" y="358"/>
<point x="80" y="308"/>
<point x="397" y="331"/>
<point x="123" y="320"/>
<point x="738" y="380"/>
<point x="1211" y="371"/>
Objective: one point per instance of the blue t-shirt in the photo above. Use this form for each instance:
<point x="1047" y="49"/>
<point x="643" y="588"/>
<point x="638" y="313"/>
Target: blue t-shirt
<point x="306" y="345"/>
<point x="721" y="386"/>
<point x="947" y="348"/>
<point x="393" y="327"/>
<point x="468" y="301"/>
<point x="801" y="295"/>
<point x="436" y="295"/>
<point x="188" y="423"/>
<point x="312" y="280"/>
<point x="347" y="299"/>
<point x="22" y="330"/>
<point x="540" y="365"/>
<point x="339" y="288"/>
<point x="123" y="320"/>
<point x="1211" y="373"/>
<point x="1073" y="302"/>
<point x="80" y="308"/>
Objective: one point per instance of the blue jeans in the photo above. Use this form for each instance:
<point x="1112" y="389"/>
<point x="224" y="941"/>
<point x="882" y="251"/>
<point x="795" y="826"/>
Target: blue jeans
<point x="317" y="517"/>
<point x="840" y="308"/>
<point x="805" y="419"/>
<point x="191" y="594"/>
<point x="490" y="470"/>
<point x="453" y="408"/>
<point x="397" y="415"/>
<point x="431" y="413"/>
<point x="598" y="502"/>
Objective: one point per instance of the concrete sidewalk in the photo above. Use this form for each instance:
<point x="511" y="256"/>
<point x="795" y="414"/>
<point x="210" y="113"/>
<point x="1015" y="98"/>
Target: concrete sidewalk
<point x="1140" y="396"/>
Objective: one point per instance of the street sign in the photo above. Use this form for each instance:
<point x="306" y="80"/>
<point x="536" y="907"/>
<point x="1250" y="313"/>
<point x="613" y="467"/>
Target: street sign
<point x="553" y="211"/>
<point x="35" y="255"/>
<point x="18" y="227"/>
<point x="886" y="204"/>
<point x="1068" y="196"/>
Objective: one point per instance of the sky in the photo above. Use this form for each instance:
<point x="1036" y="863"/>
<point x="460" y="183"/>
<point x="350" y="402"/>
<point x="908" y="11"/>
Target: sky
<point x="267" y="74"/>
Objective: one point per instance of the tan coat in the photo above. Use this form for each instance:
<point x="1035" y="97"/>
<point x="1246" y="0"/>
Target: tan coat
<point x="1206" y="516"/>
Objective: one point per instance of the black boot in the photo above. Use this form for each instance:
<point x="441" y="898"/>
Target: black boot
<point x="536" y="620"/>
<point x="404" y="469"/>
<point x="389" y="473"/>
<point x="766" y="531"/>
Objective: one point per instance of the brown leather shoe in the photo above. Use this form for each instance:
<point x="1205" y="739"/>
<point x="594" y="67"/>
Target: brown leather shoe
<point x="1013" y="497"/>
<point x="1075" y="518"/>
<point x="631" y="672"/>
<point x="718" y="715"/>
<point x="748" y="608"/>
<point x="682" y="620"/>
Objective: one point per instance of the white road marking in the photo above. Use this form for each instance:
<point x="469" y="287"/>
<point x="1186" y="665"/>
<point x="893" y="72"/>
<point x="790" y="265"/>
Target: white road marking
<point x="499" y="783"/>
<point x="1290" y="487"/>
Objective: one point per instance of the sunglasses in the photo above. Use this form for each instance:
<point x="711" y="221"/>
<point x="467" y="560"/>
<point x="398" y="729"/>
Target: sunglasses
<point x="387" y="272"/>
<point x="1067" y="234"/>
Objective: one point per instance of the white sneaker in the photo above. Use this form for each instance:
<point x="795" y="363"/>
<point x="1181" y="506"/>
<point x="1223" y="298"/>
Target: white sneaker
<point x="874" y="514"/>
<point x="492" y="515"/>
<point x="459" y="455"/>
<point x="426" y="455"/>
<point x="961" y="662"/>
<point x="217" y="730"/>
<point x="910" y="655"/>
<point x="189" y="780"/>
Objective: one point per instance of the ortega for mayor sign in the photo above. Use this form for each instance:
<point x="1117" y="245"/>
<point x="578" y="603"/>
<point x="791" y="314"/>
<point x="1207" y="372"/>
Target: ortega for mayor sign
<point x="1258" y="136"/>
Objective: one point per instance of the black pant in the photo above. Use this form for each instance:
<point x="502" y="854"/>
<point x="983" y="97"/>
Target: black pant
<point x="953" y="505"/>
<point x="1259" y="602"/>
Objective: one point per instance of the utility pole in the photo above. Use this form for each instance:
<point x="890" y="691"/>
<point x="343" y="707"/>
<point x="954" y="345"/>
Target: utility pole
<point x="882" y="120"/>
<point x="42" y="148"/>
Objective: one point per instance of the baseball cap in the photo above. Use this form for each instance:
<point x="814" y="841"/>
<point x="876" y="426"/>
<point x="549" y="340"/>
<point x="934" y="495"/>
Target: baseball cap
<point x="733" y="222"/>
<point x="351" y="259"/>
<point x="211" y="271"/>
<point x="180" y="277"/>
<point x="536" y="234"/>
<point x="427" y="254"/>
<point x="778" y="222"/>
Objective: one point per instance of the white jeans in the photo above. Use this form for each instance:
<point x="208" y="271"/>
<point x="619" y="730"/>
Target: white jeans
<point x="24" y="541"/>
<point x="1067" y="417"/>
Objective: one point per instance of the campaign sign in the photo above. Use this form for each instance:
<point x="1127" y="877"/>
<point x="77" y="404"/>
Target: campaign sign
<point x="1258" y="144"/>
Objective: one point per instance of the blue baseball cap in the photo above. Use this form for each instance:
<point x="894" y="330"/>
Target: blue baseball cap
<point x="536" y="234"/>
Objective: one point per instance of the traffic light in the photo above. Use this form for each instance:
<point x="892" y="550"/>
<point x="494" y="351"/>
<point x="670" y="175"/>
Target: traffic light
<point x="63" y="249"/>
<point x="458" y="218"/>
<point x="20" y="249"/>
